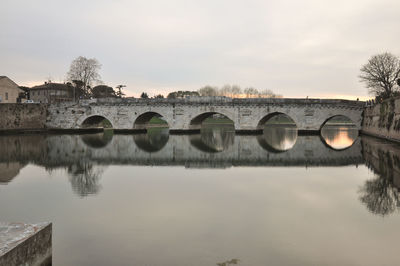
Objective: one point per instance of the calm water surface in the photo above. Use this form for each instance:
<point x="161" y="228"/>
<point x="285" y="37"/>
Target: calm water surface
<point x="213" y="198"/>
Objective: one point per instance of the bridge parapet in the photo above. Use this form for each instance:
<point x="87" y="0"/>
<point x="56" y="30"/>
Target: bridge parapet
<point x="224" y="100"/>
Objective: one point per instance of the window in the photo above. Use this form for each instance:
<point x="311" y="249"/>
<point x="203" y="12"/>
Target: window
<point x="38" y="93"/>
<point x="6" y="96"/>
<point x="33" y="93"/>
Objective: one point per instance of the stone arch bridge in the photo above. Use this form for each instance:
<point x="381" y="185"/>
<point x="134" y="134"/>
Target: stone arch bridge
<point x="188" y="113"/>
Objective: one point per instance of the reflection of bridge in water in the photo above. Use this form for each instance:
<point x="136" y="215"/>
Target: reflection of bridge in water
<point x="84" y="157"/>
<point x="162" y="149"/>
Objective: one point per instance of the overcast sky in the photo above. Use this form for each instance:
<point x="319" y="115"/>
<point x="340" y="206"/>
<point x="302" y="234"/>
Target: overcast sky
<point x="296" y="48"/>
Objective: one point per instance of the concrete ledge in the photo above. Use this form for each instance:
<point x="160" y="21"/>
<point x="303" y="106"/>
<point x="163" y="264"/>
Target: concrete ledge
<point x="75" y="130"/>
<point x="50" y="131"/>
<point x="25" y="244"/>
<point x="184" y="131"/>
<point x="249" y="132"/>
<point x="129" y="131"/>
<point x="22" y="131"/>
<point x="308" y="132"/>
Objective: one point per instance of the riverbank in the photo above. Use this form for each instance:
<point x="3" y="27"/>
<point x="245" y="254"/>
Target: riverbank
<point x="22" y="117"/>
<point x="383" y="120"/>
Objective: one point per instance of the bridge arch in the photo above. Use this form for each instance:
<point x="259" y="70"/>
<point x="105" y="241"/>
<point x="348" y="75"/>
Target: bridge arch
<point x="196" y="122"/>
<point x="338" y="132"/>
<point x="143" y="120"/>
<point x="95" y="120"/>
<point x="266" y="118"/>
<point x="338" y="120"/>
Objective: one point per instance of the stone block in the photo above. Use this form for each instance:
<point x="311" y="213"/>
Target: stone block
<point x="25" y="244"/>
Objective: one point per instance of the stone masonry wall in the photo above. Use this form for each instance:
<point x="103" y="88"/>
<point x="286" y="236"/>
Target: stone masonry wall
<point x="22" y="116"/>
<point x="187" y="114"/>
<point x="180" y="114"/>
<point x="383" y="120"/>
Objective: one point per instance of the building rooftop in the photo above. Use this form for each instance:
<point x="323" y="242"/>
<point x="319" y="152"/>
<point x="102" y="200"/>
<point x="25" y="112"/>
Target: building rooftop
<point x="52" y="86"/>
<point x="5" y="77"/>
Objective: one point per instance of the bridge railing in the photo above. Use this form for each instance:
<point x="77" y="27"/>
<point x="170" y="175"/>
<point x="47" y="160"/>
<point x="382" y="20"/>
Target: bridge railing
<point x="223" y="100"/>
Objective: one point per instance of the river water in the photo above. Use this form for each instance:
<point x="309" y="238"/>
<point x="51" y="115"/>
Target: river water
<point x="213" y="198"/>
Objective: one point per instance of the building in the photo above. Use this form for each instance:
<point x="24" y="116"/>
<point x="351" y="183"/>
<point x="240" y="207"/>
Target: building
<point x="9" y="91"/>
<point x="51" y="92"/>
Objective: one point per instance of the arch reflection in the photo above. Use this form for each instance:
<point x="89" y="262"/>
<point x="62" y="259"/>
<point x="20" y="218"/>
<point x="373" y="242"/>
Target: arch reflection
<point x="339" y="138"/>
<point x="98" y="140"/>
<point x="279" y="132"/>
<point x="214" y="139"/>
<point x="278" y="138"/>
<point x="154" y="140"/>
<point x="339" y="132"/>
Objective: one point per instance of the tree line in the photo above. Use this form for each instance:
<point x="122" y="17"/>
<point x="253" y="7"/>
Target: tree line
<point x="84" y="73"/>
<point x="233" y="91"/>
<point x="381" y="75"/>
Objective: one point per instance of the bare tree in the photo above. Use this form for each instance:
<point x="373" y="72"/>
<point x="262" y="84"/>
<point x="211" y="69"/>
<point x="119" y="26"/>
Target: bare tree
<point x="251" y="92"/>
<point x="208" y="91"/>
<point x="230" y="91"/>
<point x="85" y="70"/>
<point x="236" y="90"/>
<point x="380" y="196"/>
<point x="380" y="74"/>
<point x="267" y="93"/>
<point x="84" y="178"/>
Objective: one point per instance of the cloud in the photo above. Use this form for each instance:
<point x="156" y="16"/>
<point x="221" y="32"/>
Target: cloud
<point x="297" y="48"/>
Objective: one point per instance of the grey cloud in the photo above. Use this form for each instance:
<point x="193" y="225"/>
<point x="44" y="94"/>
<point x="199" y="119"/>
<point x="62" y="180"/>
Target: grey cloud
<point x="297" y="48"/>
